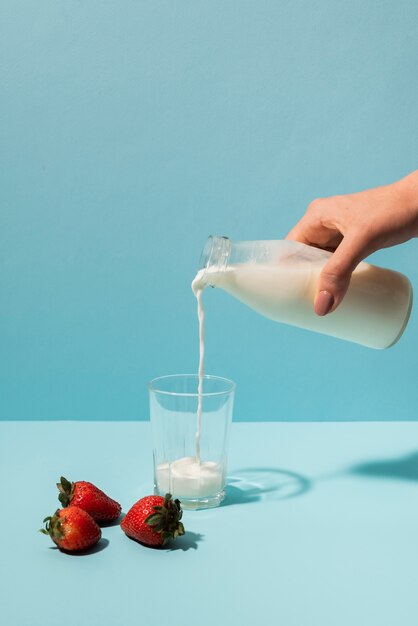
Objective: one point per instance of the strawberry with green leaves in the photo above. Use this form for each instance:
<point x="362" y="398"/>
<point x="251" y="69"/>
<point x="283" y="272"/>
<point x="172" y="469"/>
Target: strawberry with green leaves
<point x="72" y="529"/>
<point x="154" y="520"/>
<point x="89" y="498"/>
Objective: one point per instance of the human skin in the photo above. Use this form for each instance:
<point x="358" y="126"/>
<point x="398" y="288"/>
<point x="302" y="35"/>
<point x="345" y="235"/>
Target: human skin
<point x="353" y="226"/>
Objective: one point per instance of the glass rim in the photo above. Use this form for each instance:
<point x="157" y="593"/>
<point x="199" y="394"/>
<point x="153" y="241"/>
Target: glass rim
<point x="195" y="394"/>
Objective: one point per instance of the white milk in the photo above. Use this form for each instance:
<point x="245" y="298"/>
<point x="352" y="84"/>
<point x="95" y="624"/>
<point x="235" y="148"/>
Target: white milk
<point x="372" y="313"/>
<point x="197" y="288"/>
<point x="189" y="478"/>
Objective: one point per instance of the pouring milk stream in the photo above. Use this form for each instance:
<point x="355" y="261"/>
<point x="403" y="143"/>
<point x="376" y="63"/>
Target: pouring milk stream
<point x="190" y="477"/>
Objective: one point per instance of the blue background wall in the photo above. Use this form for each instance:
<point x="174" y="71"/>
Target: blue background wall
<point x="132" y="130"/>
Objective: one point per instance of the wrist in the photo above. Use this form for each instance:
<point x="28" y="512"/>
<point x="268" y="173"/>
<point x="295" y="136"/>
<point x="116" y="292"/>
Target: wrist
<point x="406" y="191"/>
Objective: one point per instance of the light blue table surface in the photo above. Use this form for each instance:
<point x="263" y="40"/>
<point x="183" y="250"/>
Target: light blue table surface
<point x="320" y="527"/>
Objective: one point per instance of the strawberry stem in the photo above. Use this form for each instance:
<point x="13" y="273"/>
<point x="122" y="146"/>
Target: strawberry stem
<point x="66" y="491"/>
<point x="53" y="526"/>
<point x="166" y="519"/>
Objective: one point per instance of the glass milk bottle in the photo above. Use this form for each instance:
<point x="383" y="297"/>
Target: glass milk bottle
<point x="278" y="279"/>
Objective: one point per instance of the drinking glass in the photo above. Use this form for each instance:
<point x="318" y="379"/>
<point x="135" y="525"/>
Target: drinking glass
<point x="191" y="468"/>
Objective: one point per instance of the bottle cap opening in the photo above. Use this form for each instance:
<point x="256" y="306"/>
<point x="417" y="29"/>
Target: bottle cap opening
<point x="215" y="252"/>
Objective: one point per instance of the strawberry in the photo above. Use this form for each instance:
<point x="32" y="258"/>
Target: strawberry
<point x="72" y="529"/>
<point x="153" y="520"/>
<point x="90" y="498"/>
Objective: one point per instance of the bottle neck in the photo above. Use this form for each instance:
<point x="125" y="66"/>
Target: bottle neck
<point x="215" y="253"/>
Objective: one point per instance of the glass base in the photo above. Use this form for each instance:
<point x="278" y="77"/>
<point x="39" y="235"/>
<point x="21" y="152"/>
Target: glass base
<point x="195" y="504"/>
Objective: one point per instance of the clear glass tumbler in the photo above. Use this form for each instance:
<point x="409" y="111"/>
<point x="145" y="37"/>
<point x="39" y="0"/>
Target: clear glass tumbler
<point x="190" y="455"/>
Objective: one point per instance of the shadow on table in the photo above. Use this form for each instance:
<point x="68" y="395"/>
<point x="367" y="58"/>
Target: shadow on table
<point x="260" y="483"/>
<point x="114" y="522"/>
<point x="103" y="543"/>
<point x="189" y="541"/>
<point x="403" y="468"/>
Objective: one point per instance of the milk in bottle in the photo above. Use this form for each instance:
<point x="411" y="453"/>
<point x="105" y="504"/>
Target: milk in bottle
<point x="278" y="279"/>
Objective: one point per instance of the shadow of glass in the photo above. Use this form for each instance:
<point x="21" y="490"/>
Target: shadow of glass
<point x="403" y="468"/>
<point x="103" y="543"/>
<point x="260" y="483"/>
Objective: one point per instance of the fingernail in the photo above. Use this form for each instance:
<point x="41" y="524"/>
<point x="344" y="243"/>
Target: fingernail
<point x="323" y="303"/>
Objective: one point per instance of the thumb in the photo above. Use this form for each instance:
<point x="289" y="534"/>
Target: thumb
<point x="335" y="277"/>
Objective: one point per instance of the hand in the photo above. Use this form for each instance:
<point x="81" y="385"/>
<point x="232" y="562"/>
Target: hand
<point x="354" y="226"/>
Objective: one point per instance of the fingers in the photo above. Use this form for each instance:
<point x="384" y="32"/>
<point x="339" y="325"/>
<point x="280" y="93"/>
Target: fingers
<point x="297" y="234"/>
<point x="329" y="224"/>
<point x="335" y="277"/>
<point x="316" y="227"/>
